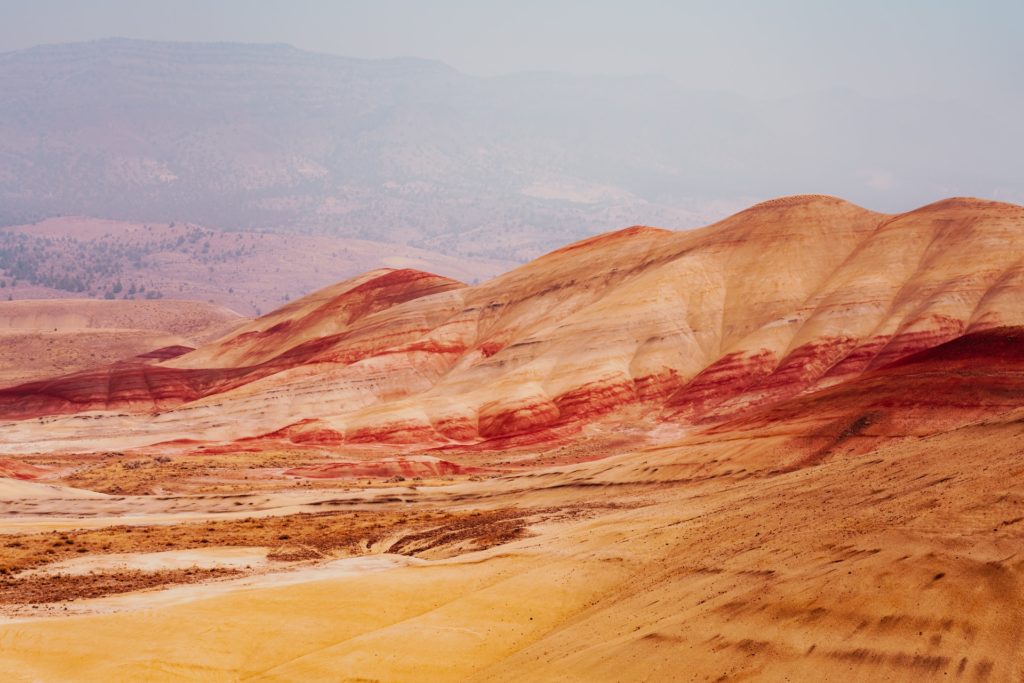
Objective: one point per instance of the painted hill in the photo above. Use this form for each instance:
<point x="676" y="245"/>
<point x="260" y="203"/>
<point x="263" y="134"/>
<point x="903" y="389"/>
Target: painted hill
<point x="787" y="298"/>
<point x="784" y="447"/>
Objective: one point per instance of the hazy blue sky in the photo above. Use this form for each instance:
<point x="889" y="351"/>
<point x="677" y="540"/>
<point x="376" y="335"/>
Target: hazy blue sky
<point x="937" y="48"/>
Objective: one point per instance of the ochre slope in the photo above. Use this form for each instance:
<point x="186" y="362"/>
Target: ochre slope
<point x="700" y="562"/>
<point x="967" y="383"/>
<point x="787" y="297"/>
<point x="292" y="336"/>
<point x="969" y="379"/>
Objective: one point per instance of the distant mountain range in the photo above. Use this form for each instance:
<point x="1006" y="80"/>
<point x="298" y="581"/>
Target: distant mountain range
<point x="239" y="137"/>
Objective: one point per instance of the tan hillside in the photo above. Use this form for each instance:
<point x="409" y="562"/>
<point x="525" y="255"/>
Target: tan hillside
<point x="53" y="337"/>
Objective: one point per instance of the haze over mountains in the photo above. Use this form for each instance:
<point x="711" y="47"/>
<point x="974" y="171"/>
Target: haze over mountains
<point x="269" y="137"/>
<point x="251" y="272"/>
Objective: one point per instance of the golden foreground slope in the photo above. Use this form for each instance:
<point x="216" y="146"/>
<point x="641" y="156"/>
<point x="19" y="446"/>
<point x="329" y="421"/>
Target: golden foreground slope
<point x="899" y="564"/>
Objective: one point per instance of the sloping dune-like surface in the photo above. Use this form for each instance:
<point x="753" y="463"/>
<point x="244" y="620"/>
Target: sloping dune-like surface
<point x="784" y="298"/>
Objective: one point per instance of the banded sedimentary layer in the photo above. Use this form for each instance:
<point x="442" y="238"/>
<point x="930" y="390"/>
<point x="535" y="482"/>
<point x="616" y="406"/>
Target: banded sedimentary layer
<point x="789" y="297"/>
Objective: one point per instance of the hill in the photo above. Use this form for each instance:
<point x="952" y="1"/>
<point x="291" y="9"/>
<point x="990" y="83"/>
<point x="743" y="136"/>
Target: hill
<point x="251" y="272"/>
<point x="788" y="297"/>
<point x="46" y="338"/>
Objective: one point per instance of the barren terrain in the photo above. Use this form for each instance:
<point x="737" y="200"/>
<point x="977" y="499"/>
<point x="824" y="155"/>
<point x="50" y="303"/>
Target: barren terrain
<point x="47" y="338"/>
<point x="647" y="456"/>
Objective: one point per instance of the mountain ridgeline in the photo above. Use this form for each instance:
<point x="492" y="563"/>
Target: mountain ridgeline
<point x="406" y="150"/>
